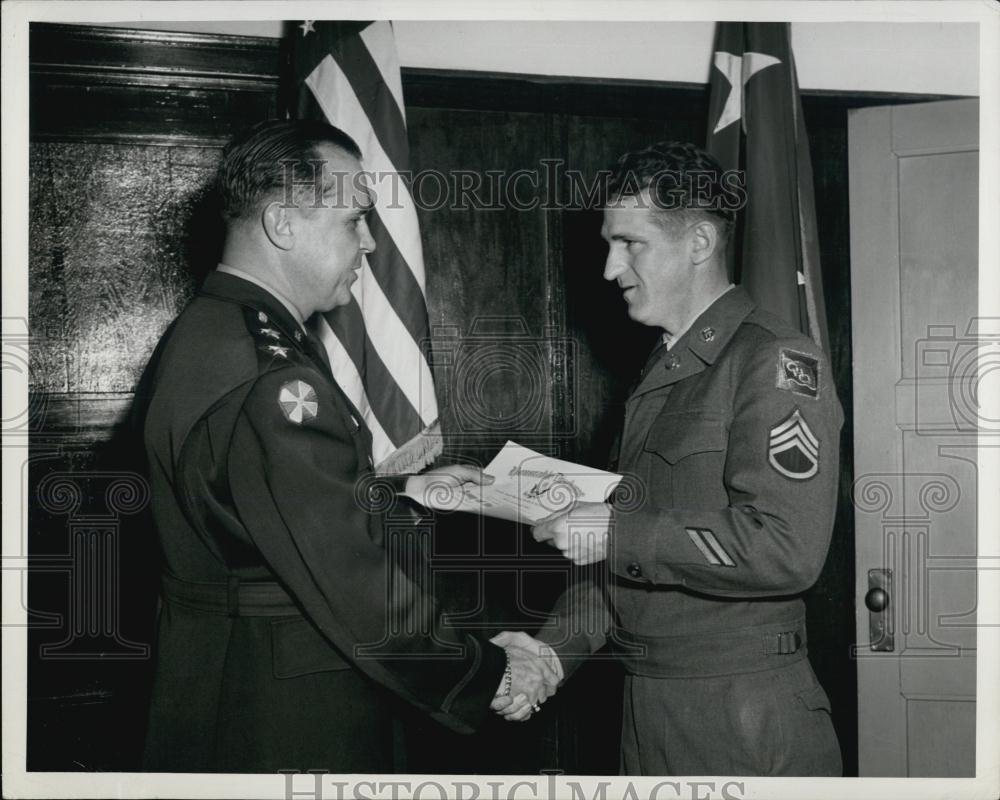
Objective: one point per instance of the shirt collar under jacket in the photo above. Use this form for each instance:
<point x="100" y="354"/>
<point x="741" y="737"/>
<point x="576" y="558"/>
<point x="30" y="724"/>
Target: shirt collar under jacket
<point x="288" y="304"/>
<point x="669" y="339"/>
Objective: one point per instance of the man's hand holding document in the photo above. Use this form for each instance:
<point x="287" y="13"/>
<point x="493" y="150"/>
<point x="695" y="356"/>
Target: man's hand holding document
<point x="528" y="487"/>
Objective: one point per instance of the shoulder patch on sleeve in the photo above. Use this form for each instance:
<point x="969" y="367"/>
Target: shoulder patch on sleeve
<point x="793" y="449"/>
<point x="298" y="401"/>
<point x="798" y="373"/>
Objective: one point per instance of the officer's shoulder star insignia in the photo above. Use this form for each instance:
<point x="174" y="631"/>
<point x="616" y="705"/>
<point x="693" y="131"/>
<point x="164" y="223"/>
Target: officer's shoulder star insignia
<point x="270" y="333"/>
<point x="798" y="373"/>
<point x="793" y="449"/>
<point x="276" y="350"/>
<point x="298" y="401"/>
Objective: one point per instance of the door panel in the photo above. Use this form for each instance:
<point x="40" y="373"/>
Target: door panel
<point x="914" y="272"/>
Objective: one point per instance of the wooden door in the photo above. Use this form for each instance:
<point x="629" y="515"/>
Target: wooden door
<point x="914" y="271"/>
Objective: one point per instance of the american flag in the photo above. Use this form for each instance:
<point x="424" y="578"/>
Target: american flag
<point x="348" y="74"/>
<point x="756" y="124"/>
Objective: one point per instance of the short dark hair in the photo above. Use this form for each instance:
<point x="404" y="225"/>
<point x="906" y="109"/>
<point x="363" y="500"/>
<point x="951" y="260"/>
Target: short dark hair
<point x="685" y="185"/>
<point x="255" y="162"/>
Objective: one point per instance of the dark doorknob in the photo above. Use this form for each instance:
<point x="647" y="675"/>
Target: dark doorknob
<point x="877" y="599"/>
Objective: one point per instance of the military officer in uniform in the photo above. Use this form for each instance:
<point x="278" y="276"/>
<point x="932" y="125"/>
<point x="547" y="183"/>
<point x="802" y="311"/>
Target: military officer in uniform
<point x="731" y="441"/>
<point x="285" y="627"/>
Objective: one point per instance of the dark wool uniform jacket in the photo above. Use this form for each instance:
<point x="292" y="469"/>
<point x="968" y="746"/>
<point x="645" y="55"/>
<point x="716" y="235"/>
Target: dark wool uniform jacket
<point x="255" y="458"/>
<point x="730" y="444"/>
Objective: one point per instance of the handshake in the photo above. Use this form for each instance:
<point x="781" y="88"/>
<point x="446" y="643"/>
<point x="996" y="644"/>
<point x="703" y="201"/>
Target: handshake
<point x="532" y="675"/>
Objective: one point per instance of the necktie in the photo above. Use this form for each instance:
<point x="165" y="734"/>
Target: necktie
<point x="654" y="356"/>
<point x="319" y="352"/>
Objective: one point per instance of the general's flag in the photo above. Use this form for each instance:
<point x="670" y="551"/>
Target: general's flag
<point x="348" y="74"/>
<point x="755" y="124"/>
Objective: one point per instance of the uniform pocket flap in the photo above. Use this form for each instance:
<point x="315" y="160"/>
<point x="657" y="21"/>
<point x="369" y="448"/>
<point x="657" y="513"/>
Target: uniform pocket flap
<point x="815" y="698"/>
<point x="300" y="649"/>
<point x="674" y="436"/>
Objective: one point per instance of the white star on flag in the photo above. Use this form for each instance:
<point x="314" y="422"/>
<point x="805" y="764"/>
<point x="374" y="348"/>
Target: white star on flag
<point x="307" y="27"/>
<point x="298" y="401"/>
<point x="738" y="70"/>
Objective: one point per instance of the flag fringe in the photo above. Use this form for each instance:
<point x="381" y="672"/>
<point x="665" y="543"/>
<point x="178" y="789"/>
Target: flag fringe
<point x="416" y="454"/>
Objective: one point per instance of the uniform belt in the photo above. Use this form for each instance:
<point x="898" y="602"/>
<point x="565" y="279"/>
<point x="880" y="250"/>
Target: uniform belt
<point x="704" y="655"/>
<point x="235" y="598"/>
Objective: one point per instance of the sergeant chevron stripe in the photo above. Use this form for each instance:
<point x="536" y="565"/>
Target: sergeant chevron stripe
<point x="793" y="449"/>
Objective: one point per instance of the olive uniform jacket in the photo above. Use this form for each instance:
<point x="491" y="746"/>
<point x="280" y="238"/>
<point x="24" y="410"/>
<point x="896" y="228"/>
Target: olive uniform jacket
<point x="730" y="444"/>
<point x="283" y="619"/>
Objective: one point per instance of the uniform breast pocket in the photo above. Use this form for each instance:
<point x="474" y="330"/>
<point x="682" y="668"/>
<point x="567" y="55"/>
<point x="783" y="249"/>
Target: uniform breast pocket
<point x="686" y="452"/>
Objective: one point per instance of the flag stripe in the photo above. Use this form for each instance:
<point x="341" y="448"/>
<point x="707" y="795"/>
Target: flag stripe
<point x="349" y="379"/>
<point x="342" y="363"/>
<point x="377" y="102"/>
<point x="379" y="40"/>
<point x="400" y="352"/>
<point x="308" y="107"/>
<point x="392" y="196"/>
<point x="398" y="283"/>
<point x="395" y="412"/>
<point x="350" y="73"/>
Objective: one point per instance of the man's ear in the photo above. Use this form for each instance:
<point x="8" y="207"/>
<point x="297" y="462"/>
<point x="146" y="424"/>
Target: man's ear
<point x="277" y="226"/>
<point x="704" y="242"/>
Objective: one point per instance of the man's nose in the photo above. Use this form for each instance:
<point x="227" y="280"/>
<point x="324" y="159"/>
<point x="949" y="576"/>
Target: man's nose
<point x="367" y="240"/>
<point x="613" y="267"/>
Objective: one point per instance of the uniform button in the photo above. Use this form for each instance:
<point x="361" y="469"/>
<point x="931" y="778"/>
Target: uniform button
<point x="634" y="570"/>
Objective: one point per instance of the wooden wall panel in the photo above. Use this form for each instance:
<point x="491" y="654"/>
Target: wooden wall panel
<point x="487" y="278"/>
<point x="115" y="253"/>
<point x="92" y="84"/>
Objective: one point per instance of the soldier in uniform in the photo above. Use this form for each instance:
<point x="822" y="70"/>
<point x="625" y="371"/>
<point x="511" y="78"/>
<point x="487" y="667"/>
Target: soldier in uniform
<point x="731" y="436"/>
<point x="275" y="648"/>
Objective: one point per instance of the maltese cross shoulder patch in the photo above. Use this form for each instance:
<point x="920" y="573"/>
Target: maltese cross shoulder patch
<point x="793" y="449"/>
<point x="298" y="401"/>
